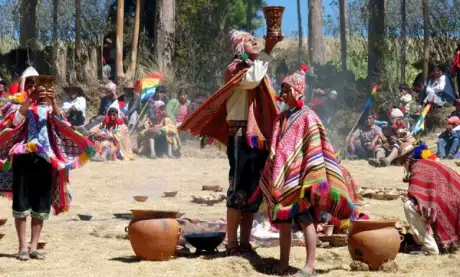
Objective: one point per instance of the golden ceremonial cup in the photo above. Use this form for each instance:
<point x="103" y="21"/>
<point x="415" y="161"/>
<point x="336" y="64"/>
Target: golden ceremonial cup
<point x="46" y="81"/>
<point x="273" y="18"/>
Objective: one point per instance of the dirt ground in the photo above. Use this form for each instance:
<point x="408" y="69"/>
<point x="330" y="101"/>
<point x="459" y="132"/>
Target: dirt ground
<point x="100" y="248"/>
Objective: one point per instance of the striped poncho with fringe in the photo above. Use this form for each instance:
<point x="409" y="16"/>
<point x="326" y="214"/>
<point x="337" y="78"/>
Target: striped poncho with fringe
<point x="51" y="138"/>
<point x="302" y="170"/>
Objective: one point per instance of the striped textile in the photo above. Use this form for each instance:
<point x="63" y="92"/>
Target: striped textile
<point x="436" y="188"/>
<point x="302" y="170"/>
<point x="210" y="118"/>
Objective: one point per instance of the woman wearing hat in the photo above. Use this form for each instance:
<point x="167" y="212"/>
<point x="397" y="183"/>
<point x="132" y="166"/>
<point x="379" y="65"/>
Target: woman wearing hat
<point x="433" y="195"/>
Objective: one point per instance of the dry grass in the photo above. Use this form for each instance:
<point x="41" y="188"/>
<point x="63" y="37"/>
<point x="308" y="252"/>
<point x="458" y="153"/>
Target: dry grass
<point x="98" y="247"/>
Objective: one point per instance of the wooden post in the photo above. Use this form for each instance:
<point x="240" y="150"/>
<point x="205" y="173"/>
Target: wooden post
<point x="426" y="41"/>
<point x="343" y="32"/>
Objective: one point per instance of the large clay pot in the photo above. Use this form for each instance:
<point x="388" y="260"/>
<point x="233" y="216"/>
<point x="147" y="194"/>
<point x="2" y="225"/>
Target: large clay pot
<point x="154" y="235"/>
<point x="374" y="242"/>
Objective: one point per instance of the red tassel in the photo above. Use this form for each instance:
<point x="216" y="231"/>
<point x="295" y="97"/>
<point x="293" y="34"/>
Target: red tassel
<point x="299" y="104"/>
<point x="106" y="119"/>
<point x="119" y="121"/>
<point x="279" y="98"/>
<point x="304" y="68"/>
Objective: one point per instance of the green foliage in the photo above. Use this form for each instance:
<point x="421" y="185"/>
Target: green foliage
<point x="202" y="46"/>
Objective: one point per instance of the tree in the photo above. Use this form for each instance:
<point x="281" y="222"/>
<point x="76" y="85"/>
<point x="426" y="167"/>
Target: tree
<point x="249" y="16"/>
<point x="78" y="28"/>
<point x="135" y="42"/>
<point x="426" y="41"/>
<point x="28" y="25"/>
<point x="165" y="32"/>
<point x="403" y="40"/>
<point x="299" y="22"/>
<point x="119" y="41"/>
<point x="315" y="32"/>
<point x="343" y="32"/>
<point x="376" y="39"/>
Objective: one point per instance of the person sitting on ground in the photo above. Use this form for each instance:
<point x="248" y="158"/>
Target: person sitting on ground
<point x="132" y="105"/>
<point x="159" y="99"/>
<point x="111" y="137"/>
<point x="433" y="198"/>
<point x="75" y="106"/>
<point x="439" y="90"/>
<point x="159" y="132"/>
<point x="109" y="97"/>
<point x="449" y="139"/>
<point x="366" y="141"/>
<point x="178" y="108"/>
<point x="456" y="112"/>
<point x="408" y="106"/>
<point x="398" y="133"/>
<point x="301" y="175"/>
<point x="199" y="99"/>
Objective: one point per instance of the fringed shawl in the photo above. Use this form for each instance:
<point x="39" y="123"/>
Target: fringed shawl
<point x="210" y="118"/>
<point x="62" y="147"/>
<point x="436" y="188"/>
<point x="302" y="170"/>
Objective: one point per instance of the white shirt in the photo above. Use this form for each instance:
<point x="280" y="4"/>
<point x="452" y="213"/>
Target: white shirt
<point x="237" y="104"/>
<point x="440" y="85"/>
<point x="79" y="103"/>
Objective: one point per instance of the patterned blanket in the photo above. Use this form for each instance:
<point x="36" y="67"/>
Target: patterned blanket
<point x="436" y="188"/>
<point x="302" y="170"/>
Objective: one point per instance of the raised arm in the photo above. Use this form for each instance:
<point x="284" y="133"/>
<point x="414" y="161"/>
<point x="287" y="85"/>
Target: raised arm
<point x="256" y="72"/>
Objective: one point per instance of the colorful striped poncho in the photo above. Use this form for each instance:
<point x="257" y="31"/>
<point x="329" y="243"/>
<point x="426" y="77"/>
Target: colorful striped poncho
<point x="436" y="188"/>
<point x="302" y="170"/>
<point x="54" y="140"/>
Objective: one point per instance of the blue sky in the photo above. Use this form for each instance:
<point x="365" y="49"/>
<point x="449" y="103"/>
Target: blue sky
<point x="290" y="15"/>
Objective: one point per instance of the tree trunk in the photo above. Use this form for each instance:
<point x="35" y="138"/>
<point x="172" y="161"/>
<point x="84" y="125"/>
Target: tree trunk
<point x="28" y="25"/>
<point x="249" y="16"/>
<point x="165" y="32"/>
<point x="426" y="41"/>
<point x="343" y="32"/>
<point x="135" y="43"/>
<point x="376" y="39"/>
<point x="315" y="32"/>
<point x="119" y="41"/>
<point x="299" y="22"/>
<point x="403" y="40"/>
<point x="78" y="29"/>
<point x="55" y="39"/>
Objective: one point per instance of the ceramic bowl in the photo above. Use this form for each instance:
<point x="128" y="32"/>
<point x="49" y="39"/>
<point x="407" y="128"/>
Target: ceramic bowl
<point x="170" y="193"/>
<point x="85" y="217"/>
<point x="140" y="198"/>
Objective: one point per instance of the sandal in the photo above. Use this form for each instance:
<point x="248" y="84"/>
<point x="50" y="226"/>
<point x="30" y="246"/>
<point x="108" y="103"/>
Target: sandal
<point x="36" y="255"/>
<point x="247" y="250"/>
<point x="232" y="249"/>
<point x="23" y="256"/>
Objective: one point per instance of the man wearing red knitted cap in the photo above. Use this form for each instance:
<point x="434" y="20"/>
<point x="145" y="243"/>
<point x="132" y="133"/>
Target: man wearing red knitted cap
<point x="240" y="115"/>
<point x="302" y="177"/>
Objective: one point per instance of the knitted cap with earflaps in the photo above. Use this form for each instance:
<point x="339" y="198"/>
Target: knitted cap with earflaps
<point x="297" y="82"/>
<point x="29" y="72"/>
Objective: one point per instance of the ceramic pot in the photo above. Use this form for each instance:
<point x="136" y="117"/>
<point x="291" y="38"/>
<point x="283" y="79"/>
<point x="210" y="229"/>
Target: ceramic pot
<point x="273" y="18"/>
<point x="154" y="235"/>
<point x="374" y="242"/>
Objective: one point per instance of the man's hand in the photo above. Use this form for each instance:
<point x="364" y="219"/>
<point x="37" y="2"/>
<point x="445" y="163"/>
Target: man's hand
<point x="38" y="93"/>
<point x="270" y="43"/>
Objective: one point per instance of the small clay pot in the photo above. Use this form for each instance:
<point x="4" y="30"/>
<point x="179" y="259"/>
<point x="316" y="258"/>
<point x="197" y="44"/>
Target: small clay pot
<point x="3" y="221"/>
<point x="328" y="230"/>
<point x="374" y="242"/>
<point x="1" y="236"/>
<point x="140" y="198"/>
<point x="170" y="193"/>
